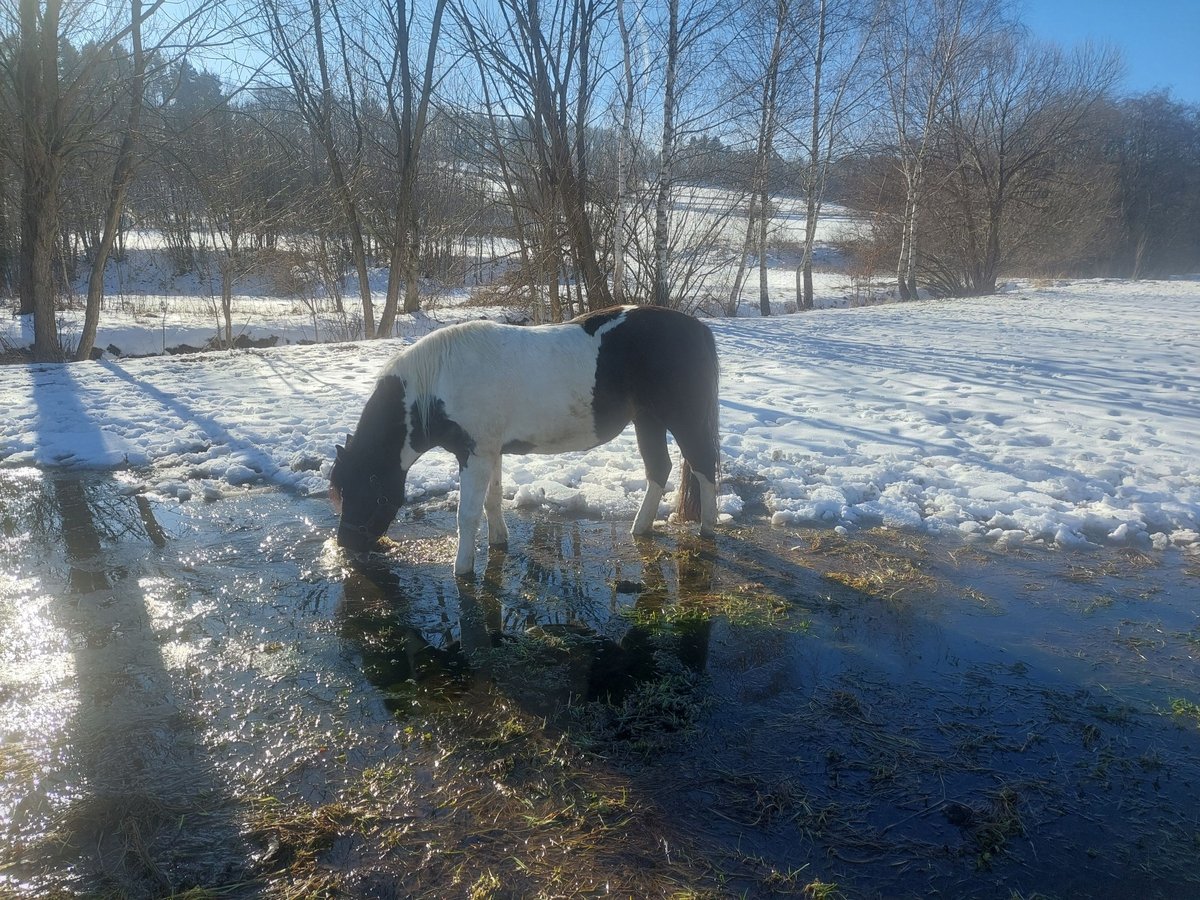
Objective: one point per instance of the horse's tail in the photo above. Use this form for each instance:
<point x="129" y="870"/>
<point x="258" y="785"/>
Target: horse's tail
<point x="688" y="506"/>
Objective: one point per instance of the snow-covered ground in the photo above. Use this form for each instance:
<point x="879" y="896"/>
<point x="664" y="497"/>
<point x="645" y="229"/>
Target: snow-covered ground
<point x="1064" y="413"/>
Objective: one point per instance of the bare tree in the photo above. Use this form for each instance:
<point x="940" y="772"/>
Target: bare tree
<point x="1006" y="145"/>
<point x="925" y="45"/>
<point x="629" y="87"/>
<point x="1154" y="144"/>
<point x="44" y="149"/>
<point x="840" y="89"/>
<point x="408" y="92"/>
<point x="54" y="82"/>
<point x="758" y="213"/>
<point x="295" y="32"/>
<point x="542" y="65"/>
<point x="123" y="169"/>
<point x="690" y="32"/>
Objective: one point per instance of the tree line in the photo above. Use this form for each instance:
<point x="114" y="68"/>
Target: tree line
<point x="603" y="150"/>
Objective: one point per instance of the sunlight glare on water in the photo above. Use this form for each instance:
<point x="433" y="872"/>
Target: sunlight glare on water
<point x="39" y="698"/>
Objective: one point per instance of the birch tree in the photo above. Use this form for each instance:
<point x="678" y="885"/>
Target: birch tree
<point x="758" y="215"/>
<point x="925" y="45"/>
<point x="839" y="94"/>
<point x="689" y="33"/>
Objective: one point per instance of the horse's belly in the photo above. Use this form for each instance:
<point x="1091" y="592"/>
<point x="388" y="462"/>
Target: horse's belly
<point x="555" y="442"/>
<point x="569" y="430"/>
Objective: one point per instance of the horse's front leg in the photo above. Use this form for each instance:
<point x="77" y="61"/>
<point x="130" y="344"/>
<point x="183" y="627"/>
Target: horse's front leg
<point x="497" y="530"/>
<point x="474" y="479"/>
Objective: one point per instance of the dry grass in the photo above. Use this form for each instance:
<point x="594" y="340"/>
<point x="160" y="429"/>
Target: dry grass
<point x="879" y="562"/>
<point x="1124" y="563"/>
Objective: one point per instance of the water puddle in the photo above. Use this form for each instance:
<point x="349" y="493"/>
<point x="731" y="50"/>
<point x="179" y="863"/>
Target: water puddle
<point x="210" y="696"/>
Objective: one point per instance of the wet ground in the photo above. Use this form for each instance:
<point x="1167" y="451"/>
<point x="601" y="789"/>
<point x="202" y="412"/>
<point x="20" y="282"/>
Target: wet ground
<point x="210" y="700"/>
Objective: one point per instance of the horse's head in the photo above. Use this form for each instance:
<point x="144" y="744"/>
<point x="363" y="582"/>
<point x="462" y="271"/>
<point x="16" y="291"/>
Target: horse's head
<point x="367" y="494"/>
<point x="366" y="483"/>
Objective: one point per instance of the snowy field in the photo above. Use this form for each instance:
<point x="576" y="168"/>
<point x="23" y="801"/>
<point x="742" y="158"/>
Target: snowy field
<point x="1065" y="413"/>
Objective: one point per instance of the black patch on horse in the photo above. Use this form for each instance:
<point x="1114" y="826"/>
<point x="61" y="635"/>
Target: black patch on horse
<point x="381" y="426"/>
<point x="366" y="472"/>
<point x="517" y="447"/>
<point x="441" y="431"/>
<point x="655" y="368"/>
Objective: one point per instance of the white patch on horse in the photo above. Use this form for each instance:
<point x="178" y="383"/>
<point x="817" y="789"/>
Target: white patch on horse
<point x="501" y="376"/>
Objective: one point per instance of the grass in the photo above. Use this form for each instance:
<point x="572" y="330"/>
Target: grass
<point x="747" y="606"/>
<point x="879" y="563"/>
<point x="994" y="823"/>
<point x="885" y="577"/>
<point x="1123" y="563"/>
<point x="1185" y="710"/>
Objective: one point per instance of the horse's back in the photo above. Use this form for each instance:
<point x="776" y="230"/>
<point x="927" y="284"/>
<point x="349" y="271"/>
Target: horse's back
<point x="553" y="388"/>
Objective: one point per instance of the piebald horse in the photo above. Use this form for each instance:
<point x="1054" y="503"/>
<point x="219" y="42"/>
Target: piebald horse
<point x="482" y="389"/>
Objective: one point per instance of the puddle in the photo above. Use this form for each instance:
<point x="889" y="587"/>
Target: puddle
<point x="210" y="697"/>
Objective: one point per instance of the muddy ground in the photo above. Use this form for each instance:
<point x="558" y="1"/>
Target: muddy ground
<point x="210" y="700"/>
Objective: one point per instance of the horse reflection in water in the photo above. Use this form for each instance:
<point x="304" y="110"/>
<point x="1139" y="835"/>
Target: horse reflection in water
<point x="461" y="635"/>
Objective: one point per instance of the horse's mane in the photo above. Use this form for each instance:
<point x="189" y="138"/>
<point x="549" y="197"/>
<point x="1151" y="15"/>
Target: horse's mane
<point x="420" y="364"/>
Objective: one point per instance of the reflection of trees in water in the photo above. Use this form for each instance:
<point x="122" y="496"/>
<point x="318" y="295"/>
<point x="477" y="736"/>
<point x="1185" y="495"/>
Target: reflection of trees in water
<point x="88" y="514"/>
<point x="533" y="624"/>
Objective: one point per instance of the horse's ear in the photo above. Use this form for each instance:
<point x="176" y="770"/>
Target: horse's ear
<point x="340" y="451"/>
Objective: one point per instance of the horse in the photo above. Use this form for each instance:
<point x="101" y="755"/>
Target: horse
<point x="482" y="389"/>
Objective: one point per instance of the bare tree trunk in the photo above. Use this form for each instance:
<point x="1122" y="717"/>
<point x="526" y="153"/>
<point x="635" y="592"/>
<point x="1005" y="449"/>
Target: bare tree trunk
<point x="766" y="146"/>
<point x="909" y="291"/>
<point x="620" y="223"/>
<point x="764" y="223"/>
<point x="814" y="182"/>
<point x="122" y="175"/>
<point x="735" y="292"/>
<point x="408" y="123"/>
<point x="412" y="269"/>
<point x="6" y="250"/>
<point x="551" y="267"/>
<point x="904" y="260"/>
<point x="666" y="163"/>
<point x="39" y="85"/>
<point x="229" y="268"/>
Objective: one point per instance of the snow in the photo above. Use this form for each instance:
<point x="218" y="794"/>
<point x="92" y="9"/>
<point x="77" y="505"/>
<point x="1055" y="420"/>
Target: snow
<point x="1064" y="414"/>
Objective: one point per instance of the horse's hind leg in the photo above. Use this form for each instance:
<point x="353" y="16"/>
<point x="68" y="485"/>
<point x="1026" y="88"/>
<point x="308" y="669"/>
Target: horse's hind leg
<point x="708" y="503"/>
<point x="700" y="454"/>
<point x="652" y="442"/>
<point x="497" y="530"/>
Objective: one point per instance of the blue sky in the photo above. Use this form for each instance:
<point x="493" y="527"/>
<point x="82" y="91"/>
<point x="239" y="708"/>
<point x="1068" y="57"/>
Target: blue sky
<point x="1160" y="39"/>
